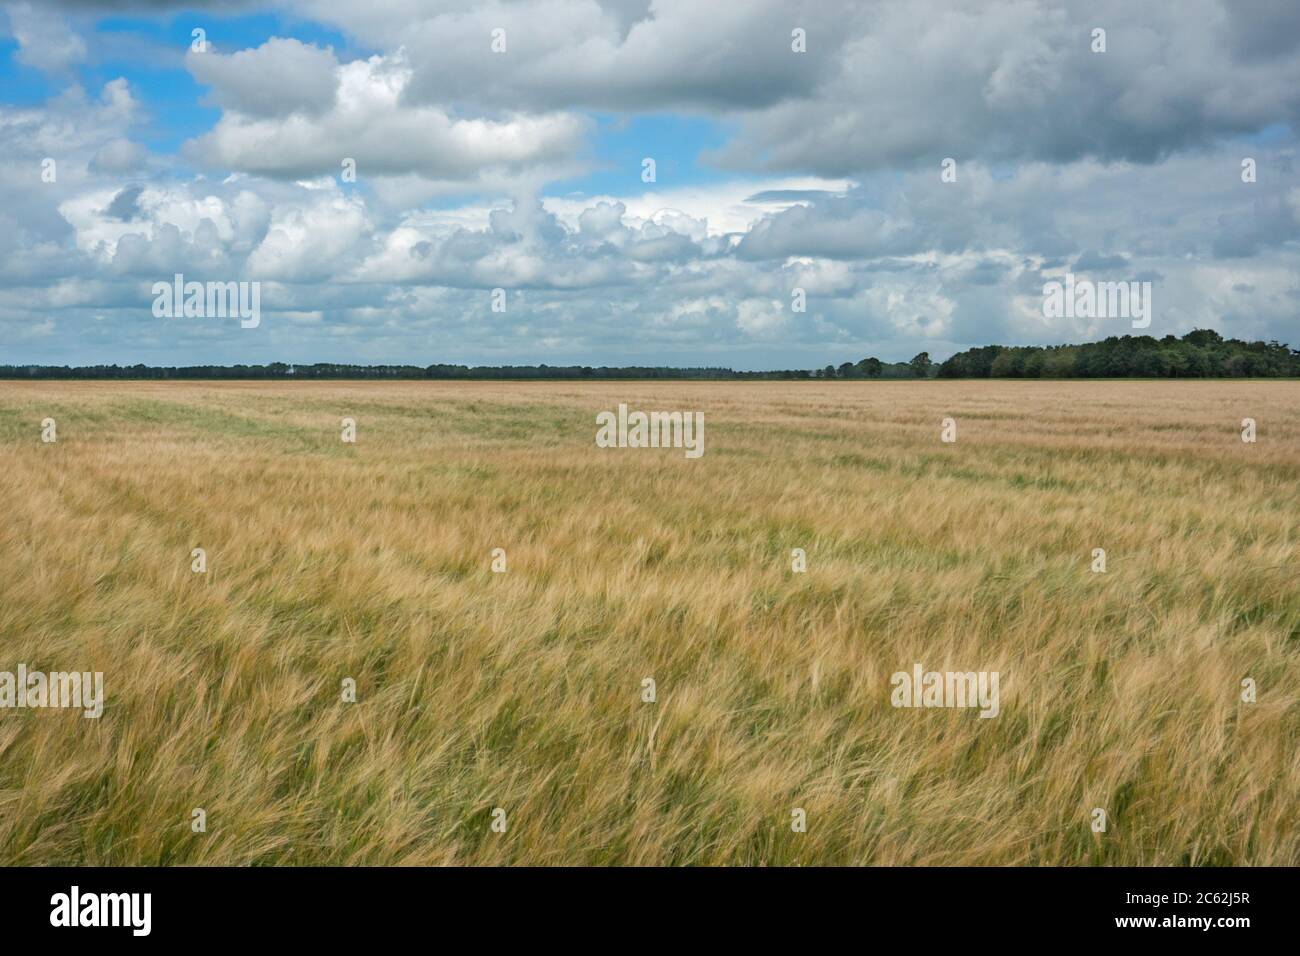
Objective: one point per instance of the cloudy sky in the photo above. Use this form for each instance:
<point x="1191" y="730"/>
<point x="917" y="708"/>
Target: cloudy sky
<point x="524" y="170"/>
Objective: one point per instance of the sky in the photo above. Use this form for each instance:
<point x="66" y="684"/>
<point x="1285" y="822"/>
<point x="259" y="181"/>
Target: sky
<point x="798" y="214"/>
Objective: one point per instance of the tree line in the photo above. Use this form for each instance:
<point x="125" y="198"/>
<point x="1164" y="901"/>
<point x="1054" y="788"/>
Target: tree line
<point x="334" y="370"/>
<point x="1202" y="353"/>
<point x="1199" y="354"/>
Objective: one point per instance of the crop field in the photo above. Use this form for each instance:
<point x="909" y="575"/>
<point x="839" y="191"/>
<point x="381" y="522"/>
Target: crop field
<point x="473" y="636"/>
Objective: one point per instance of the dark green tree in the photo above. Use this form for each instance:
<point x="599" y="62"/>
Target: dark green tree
<point x="870" y="367"/>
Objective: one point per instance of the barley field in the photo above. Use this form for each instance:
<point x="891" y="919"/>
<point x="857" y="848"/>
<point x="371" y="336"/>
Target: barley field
<point x="522" y="691"/>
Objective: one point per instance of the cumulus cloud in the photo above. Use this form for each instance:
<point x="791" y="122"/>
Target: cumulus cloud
<point x="313" y="240"/>
<point x="281" y="77"/>
<point x="363" y="117"/>
<point x="562" y="54"/>
<point x="45" y="39"/>
<point x="118" y="156"/>
<point x="124" y="206"/>
<point x="576" y="277"/>
<point x="882" y="84"/>
<point x="1014" y="81"/>
<point x="1123" y="165"/>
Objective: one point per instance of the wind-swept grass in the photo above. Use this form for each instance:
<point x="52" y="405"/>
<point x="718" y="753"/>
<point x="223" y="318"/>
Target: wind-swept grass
<point x="522" y="690"/>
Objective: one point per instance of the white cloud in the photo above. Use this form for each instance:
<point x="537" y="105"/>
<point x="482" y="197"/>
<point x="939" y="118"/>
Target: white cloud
<point x="370" y="122"/>
<point x="280" y="77"/>
<point x="1127" y="162"/>
<point x="314" y="241"/>
<point x="46" y="40"/>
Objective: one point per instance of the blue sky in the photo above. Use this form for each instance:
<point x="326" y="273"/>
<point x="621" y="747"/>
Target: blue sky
<point x="782" y="175"/>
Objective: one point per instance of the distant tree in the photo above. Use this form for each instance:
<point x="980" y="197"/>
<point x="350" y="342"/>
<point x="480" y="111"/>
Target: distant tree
<point x="870" y="367"/>
<point x="921" y="364"/>
<point x="1203" y="337"/>
<point x="1035" y="359"/>
<point x="1004" y="365"/>
<point x="848" y="370"/>
<point x="1058" y="362"/>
